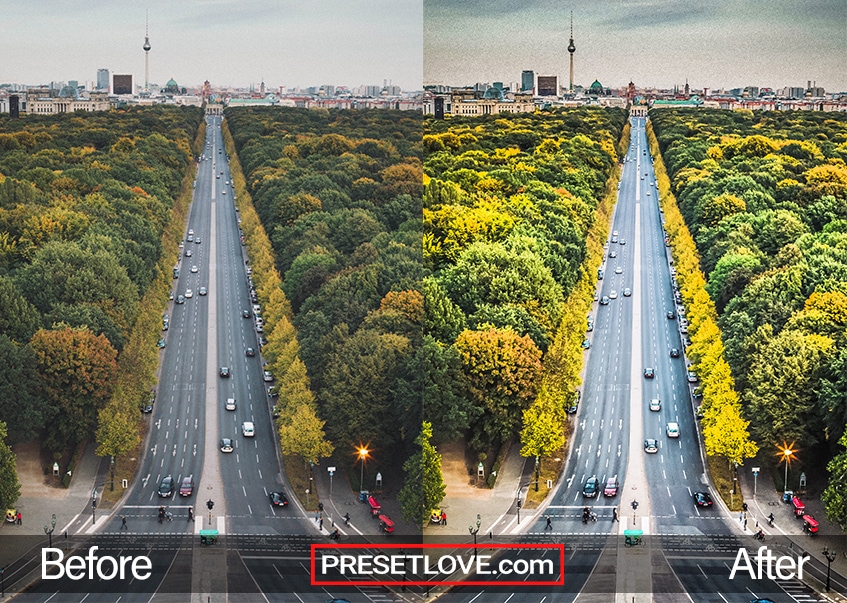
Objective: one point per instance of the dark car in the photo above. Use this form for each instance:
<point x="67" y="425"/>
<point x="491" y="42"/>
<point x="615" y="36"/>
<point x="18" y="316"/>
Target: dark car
<point x="250" y="352"/>
<point x="591" y="487"/>
<point x="649" y="373"/>
<point x="278" y="499"/>
<point x="604" y="301"/>
<point x="586" y="344"/>
<point x="186" y="488"/>
<point x="166" y="488"/>
<point x="245" y="313"/>
<point x="148" y="408"/>
<point x="671" y="314"/>
<point x="702" y="499"/>
<point x="674" y="353"/>
<point x="180" y="299"/>
<point x="161" y="343"/>
<point x="225" y="372"/>
<point x="575" y="404"/>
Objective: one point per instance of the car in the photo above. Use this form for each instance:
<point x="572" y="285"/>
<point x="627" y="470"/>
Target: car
<point x="223" y="192"/>
<point x="651" y="446"/>
<point x="613" y="294"/>
<point x="148" y="408"/>
<point x="575" y="404"/>
<point x="166" y="487"/>
<point x="259" y="329"/>
<point x="618" y="270"/>
<point x="190" y="237"/>
<point x="596" y="296"/>
<point x="225" y="372"/>
<point x="171" y="294"/>
<point x="180" y="299"/>
<point x="188" y="253"/>
<point x="702" y="499"/>
<point x="226" y="445"/>
<point x="586" y="344"/>
<point x="161" y="343"/>
<point x="250" y="352"/>
<point x="186" y="488"/>
<point x="278" y="499"/>
<point x="591" y="487"/>
<point x="590" y="325"/>
<point x="623" y="241"/>
<point x="189" y="294"/>
<point x="649" y="373"/>
<point x="347" y="601"/>
<point x="165" y="325"/>
<point x="614" y="239"/>
<point x="194" y="269"/>
<point x="190" y="232"/>
<point x="692" y="377"/>
<point x="245" y="313"/>
<point x="197" y="240"/>
<point x="627" y="292"/>
<point x="247" y="429"/>
<point x="218" y="176"/>
<point x="604" y="301"/>
<point x="614" y="233"/>
<point x="642" y="177"/>
<point x="612" y="485"/>
<point x="671" y="314"/>
<point x="230" y="404"/>
<point x="227" y="182"/>
<point x="613" y="254"/>
<point x="267" y="376"/>
<point x="272" y="393"/>
<point x="655" y="404"/>
<point x="202" y="291"/>
<point x="648" y="193"/>
<point x="672" y="429"/>
<point x="674" y="353"/>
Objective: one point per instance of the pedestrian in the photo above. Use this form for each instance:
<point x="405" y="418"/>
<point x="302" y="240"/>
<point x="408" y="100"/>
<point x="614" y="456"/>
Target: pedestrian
<point x="317" y="515"/>
<point x="123" y="523"/>
<point x="320" y="506"/>
<point x="321" y="524"/>
<point x="615" y="514"/>
<point x="741" y="517"/>
<point x="346" y="519"/>
<point x="745" y="524"/>
<point x="443" y="518"/>
<point x="20" y="519"/>
<point x="549" y="523"/>
<point x="190" y="513"/>
<point x="161" y="514"/>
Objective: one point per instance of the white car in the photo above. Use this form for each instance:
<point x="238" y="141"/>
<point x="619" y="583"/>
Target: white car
<point x="189" y="294"/>
<point x="613" y="295"/>
<point x="655" y="404"/>
<point x="618" y="270"/>
<point x="247" y="429"/>
<point x="230" y="404"/>
<point x="672" y="429"/>
<point x="194" y="269"/>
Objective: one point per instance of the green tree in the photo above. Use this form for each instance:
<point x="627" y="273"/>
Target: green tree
<point x="10" y="487"/>
<point x="726" y="434"/>
<point x="22" y="407"/>
<point x="424" y="487"/>
<point x="302" y="433"/>
<point x="834" y="497"/>
<point x="543" y="431"/>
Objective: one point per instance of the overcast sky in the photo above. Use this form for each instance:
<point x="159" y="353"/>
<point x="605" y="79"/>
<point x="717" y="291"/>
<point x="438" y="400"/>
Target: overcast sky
<point x="713" y="43"/>
<point x="235" y="42"/>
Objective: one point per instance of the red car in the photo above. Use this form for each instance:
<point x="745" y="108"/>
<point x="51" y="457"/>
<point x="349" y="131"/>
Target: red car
<point x="186" y="488"/>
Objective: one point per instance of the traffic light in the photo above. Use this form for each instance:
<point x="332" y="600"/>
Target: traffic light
<point x="210" y="504"/>
<point x="519" y="503"/>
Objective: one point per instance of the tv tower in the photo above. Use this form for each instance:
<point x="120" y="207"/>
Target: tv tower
<point x="571" y="50"/>
<point x="146" y="52"/>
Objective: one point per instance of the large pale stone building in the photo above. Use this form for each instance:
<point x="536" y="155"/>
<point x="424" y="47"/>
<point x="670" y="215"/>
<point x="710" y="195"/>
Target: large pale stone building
<point x="39" y="101"/>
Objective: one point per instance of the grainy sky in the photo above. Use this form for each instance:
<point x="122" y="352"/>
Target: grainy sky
<point x="713" y="43"/>
<point x="235" y="42"/>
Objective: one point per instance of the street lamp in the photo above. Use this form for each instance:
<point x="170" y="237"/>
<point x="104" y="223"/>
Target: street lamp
<point x="786" y="453"/>
<point x="49" y="533"/>
<point x="363" y="454"/>
<point x="112" y="467"/>
<point x="830" y="557"/>
<point x="474" y="532"/>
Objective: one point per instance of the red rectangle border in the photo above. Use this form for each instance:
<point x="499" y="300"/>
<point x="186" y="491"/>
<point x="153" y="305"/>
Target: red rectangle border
<point x="560" y="582"/>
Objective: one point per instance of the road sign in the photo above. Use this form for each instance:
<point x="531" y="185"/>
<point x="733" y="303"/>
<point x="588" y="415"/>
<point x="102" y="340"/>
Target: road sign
<point x="331" y="469"/>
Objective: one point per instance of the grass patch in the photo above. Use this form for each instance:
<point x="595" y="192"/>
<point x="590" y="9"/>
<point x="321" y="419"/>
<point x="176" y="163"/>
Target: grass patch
<point x="298" y="477"/>
<point x="722" y="475"/>
<point x="125" y="469"/>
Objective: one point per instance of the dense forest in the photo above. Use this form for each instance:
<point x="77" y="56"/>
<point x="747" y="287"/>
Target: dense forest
<point x="339" y="195"/>
<point x="508" y="205"/>
<point x="84" y="202"/>
<point x="765" y="198"/>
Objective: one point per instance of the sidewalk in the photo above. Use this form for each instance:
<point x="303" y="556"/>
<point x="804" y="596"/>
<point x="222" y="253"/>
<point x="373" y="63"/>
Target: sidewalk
<point x="464" y="500"/>
<point x="338" y="498"/>
<point x="767" y="500"/>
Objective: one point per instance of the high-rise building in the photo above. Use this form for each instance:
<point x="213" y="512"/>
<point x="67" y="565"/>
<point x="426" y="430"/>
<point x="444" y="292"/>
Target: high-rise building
<point x="122" y="84"/>
<point x="571" y="50"/>
<point x="102" y="79"/>
<point x="548" y="85"/>
<point x="146" y="54"/>
<point x="527" y="81"/>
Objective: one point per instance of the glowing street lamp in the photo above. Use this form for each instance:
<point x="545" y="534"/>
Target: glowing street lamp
<point x="363" y="454"/>
<point x="786" y="453"/>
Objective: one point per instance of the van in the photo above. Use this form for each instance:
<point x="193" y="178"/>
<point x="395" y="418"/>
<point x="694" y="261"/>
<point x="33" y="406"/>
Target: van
<point x="247" y="429"/>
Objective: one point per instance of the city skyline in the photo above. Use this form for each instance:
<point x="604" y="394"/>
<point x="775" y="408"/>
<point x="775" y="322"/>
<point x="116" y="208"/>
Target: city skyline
<point x="654" y="43"/>
<point x="235" y="43"/>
